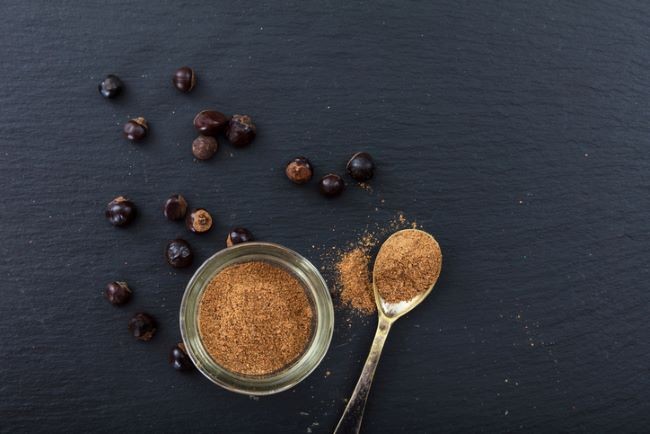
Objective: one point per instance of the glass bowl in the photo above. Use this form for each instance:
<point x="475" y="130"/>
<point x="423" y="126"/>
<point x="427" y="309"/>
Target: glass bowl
<point x="322" y="321"/>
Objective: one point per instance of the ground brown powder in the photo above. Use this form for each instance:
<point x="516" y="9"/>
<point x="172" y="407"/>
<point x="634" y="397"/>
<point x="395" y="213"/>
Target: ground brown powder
<point x="354" y="281"/>
<point x="255" y="318"/>
<point x="407" y="264"/>
<point x="350" y="266"/>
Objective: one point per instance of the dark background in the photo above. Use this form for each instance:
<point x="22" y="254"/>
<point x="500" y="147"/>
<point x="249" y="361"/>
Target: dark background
<point x="516" y="132"/>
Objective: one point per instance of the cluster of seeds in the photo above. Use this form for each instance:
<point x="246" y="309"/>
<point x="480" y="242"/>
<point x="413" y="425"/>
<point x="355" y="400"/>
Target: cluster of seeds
<point x="121" y="211"/>
<point x="361" y="168"/>
<point x="239" y="129"/>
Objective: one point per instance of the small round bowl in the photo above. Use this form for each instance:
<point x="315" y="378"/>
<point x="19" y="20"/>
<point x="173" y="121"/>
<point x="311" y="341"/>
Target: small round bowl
<point x="315" y="289"/>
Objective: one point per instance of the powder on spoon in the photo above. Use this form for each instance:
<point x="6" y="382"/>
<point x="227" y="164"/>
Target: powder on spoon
<point x="407" y="264"/>
<point x="255" y="318"/>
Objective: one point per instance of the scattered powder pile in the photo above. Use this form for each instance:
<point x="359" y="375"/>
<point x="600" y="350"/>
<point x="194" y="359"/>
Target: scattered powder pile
<point x="407" y="264"/>
<point x="352" y="266"/>
<point x="255" y="318"/>
<point x="354" y="281"/>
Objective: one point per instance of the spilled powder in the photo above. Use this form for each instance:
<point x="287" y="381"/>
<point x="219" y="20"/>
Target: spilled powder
<point x="354" y="277"/>
<point x="255" y="318"/>
<point x="352" y="265"/>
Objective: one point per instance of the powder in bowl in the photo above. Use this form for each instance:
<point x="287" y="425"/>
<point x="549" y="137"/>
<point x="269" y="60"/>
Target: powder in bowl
<point x="255" y="318"/>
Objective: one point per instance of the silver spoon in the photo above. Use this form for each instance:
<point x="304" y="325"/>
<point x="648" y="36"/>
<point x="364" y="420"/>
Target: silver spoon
<point x="350" y="422"/>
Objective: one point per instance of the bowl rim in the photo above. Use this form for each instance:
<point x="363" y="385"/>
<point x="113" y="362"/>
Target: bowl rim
<point x="326" y="296"/>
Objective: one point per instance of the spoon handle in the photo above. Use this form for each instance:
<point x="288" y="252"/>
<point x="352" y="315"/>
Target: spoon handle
<point x="350" y="422"/>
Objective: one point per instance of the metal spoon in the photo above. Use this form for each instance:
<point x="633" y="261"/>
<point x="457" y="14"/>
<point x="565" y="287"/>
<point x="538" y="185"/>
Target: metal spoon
<point x="350" y="422"/>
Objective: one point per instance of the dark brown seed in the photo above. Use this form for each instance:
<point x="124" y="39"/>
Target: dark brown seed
<point x="184" y="79"/>
<point x="210" y="122"/>
<point x="136" y="129"/>
<point x="179" y="359"/>
<point x="111" y="86"/>
<point x="331" y="185"/>
<point x="299" y="170"/>
<point x="361" y="166"/>
<point x="179" y="253"/>
<point x="120" y="211"/>
<point x="204" y="147"/>
<point x="175" y="207"/>
<point x="241" y="130"/>
<point x="142" y="326"/>
<point x="117" y="293"/>
<point x="199" y="220"/>
<point x="238" y="236"/>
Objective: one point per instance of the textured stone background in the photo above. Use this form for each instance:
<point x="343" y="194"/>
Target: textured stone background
<point x="516" y="132"/>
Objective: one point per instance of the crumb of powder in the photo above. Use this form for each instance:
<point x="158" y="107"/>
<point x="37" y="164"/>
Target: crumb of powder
<point x="368" y="241"/>
<point x="365" y="186"/>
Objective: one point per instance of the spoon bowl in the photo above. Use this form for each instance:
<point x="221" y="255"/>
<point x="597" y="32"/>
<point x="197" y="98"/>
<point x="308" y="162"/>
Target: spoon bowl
<point x="388" y="312"/>
<point x="393" y="311"/>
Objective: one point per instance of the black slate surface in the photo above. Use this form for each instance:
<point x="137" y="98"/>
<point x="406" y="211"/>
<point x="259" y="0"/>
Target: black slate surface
<point x="516" y="132"/>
